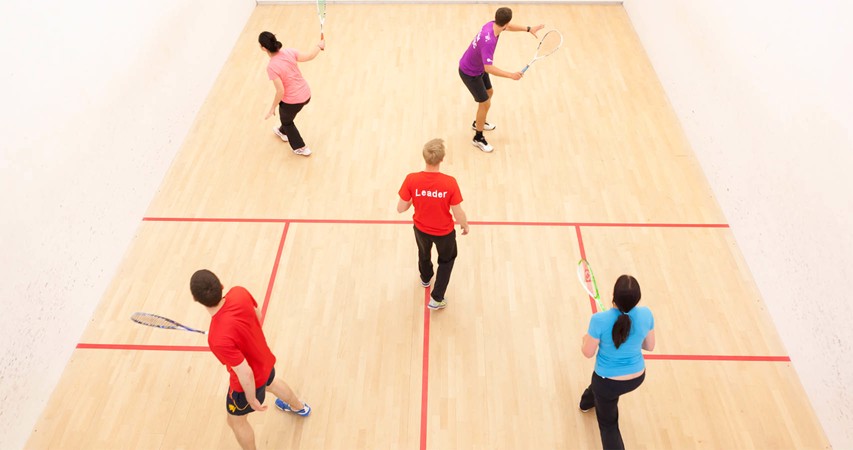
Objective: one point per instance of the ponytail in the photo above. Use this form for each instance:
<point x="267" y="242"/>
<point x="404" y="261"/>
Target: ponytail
<point x="626" y="295"/>
<point x="621" y="329"/>
<point x="269" y="42"/>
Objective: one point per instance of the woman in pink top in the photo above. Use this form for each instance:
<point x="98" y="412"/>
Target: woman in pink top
<point x="291" y="89"/>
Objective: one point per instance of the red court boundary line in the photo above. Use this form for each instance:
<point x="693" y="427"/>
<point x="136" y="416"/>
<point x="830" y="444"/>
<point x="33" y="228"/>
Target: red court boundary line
<point x="409" y="222"/>
<point x="583" y="256"/>
<point x="425" y="379"/>
<point x="274" y="272"/>
<point x="717" y="358"/>
<point x="166" y="348"/>
<point x="425" y="374"/>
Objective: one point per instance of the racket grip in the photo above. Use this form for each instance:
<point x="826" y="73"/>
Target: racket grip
<point x="322" y="38"/>
<point x="525" y="68"/>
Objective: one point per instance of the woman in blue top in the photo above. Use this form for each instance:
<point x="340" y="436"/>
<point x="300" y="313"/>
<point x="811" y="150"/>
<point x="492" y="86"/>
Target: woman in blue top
<point x="618" y="335"/>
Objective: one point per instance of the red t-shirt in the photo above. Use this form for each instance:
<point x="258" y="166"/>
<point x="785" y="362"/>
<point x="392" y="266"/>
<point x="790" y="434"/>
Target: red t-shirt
<point x="432" y="194"/>
<point x="236" y="335"/>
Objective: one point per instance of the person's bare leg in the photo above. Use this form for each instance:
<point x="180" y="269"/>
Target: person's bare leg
<point x="482" y="110"/>
<point x="242" y="431"/>
<point x="281" y="390"/>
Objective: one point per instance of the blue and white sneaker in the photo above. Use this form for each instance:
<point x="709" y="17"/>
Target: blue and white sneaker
<point x="280" y="404"/>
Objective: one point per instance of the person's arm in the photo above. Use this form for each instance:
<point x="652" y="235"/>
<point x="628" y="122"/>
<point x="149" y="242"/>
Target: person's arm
<point x="403" y="206"/>
<point x="279" y="93"/>
<point x="309" y="55"/>
<point x="460" y="217"/>
<point x="589" y="345"/>
<point x="498" y="72"/>
<point x="530" y="29"/>
<point x="649" y="341"/>
<point x="247" y="381"/>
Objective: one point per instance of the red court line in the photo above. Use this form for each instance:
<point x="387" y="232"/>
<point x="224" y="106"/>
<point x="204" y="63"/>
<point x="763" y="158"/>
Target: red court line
<point x="607" y="224"/>
<point x="167" y="348"/>
<point x="716" y="358"/>
<point x="425" y="390"/>
<point x="409" y="222"/>
<point x="238" y="220"/>
<point x="211" y="219"/>
<point x="583" y="256"/>
<point x="274" y="272"/>
<point x="425" y="375"/>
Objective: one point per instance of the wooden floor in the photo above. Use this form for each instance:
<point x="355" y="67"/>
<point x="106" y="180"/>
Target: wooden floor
<point x="590" y="160"/>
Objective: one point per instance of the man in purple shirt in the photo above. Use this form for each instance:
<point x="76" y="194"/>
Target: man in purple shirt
<point x="476" y="65"/>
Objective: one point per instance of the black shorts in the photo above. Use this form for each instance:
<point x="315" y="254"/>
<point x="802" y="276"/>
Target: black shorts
<point x="477" y="85"/>
<point x="236" y="403"/>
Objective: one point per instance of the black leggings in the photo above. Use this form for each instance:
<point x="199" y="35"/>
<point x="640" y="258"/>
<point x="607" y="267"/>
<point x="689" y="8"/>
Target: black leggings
<point x="287" y="112"/>
<point x="603" y="394"/>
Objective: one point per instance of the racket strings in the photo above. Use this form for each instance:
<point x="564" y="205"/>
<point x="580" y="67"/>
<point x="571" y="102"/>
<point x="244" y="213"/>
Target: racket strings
<point x="550" y="43"/>
<point x="152" y="320"/>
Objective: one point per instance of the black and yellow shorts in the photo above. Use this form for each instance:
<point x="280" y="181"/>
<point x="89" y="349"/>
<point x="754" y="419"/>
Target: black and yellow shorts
<point x="236" y="402"/>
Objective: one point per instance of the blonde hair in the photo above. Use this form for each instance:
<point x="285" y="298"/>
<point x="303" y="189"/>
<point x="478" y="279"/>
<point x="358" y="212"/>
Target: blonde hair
<point x="434" y="151"/>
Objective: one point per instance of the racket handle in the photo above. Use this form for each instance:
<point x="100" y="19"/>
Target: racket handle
<point x="322" y="38"/>
<point x="525" y="68"/>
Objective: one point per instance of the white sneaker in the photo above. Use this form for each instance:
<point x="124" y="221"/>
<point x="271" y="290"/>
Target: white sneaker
<point x="486" y="126"/>
<point x="279" y="134"/>
<point x="304" y="151"/>
<point x="482" y="145"/>
<point x="435" y="306"/>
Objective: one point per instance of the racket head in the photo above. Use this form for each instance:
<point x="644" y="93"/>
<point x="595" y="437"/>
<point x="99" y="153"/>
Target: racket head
<point x="587" y="279"/>
<point x="321" y="11"/>
<point x="550" y="43"/>
<point x="153" y="320"/>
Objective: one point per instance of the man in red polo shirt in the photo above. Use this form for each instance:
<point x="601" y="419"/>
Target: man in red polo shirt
<point x="434" y="196"/>
<point x="237" y="340"/>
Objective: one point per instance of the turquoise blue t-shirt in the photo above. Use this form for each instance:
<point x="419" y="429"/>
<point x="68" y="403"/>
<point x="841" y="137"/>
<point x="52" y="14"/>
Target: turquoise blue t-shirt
<point x="628" y="358"/>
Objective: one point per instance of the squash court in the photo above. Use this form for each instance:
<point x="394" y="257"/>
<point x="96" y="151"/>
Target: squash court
<point x="589" y="161"/>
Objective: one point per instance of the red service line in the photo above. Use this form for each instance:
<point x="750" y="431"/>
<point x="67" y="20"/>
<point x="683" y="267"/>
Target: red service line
<point x="238" y="220"/>
<point x="409" y="222"/>
<point x="716" y="358"/>
<point x="274" y="272"/>
<point x="210" y="219"/>
<point x="167" y="348"/>
<point x="425" y="375"/>
<point x="608" y="224"/>
<point x="425" y="379"/>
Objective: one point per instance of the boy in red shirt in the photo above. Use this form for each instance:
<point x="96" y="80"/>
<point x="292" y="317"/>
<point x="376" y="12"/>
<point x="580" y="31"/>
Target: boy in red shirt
<point x="237" y="340"/>
<point x="434" y="196"/>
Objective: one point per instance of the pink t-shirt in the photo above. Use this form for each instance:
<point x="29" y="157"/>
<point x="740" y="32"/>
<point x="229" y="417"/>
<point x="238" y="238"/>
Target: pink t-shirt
<point x="283" y="66"/>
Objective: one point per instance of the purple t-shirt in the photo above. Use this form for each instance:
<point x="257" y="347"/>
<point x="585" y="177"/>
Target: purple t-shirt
<point x="480" y="52"/>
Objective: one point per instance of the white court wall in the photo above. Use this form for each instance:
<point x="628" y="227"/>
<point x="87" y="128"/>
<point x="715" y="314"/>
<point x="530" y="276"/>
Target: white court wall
<point x="97" y="97"/>
<point x="764" y="93"/>
<point x="331" y="3"/>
